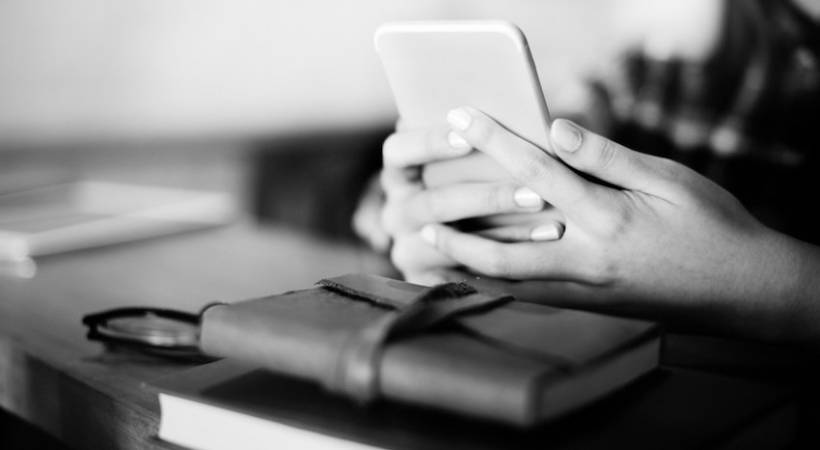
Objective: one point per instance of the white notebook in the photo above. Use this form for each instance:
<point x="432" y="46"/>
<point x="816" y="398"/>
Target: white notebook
<point x="76" y="215"/>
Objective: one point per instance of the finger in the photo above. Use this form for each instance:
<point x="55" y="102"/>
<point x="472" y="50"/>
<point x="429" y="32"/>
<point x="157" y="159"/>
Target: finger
<point x="614" y="163"/>
<point x="543" y="232"/>
<point x="393" y="218"/>
<point x="367" y="225"/>
<point x="412" y="255"/>
<point x="473" y="167"/>
<point x="502" y="260"/>
<point x="401" y="124"/>
<point x="532" y="166"/>
<point x="399" y="182"/>
<point x="463" y="201"/>
<point x="512" y="220"/>
<point x="547" y="215"/>
<point x="366" y="220"/>
<point x="431" y="278"/>
<point x="415" y="147"/>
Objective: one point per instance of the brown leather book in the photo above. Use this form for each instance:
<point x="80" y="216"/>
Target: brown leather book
<point x="473" y="353"/>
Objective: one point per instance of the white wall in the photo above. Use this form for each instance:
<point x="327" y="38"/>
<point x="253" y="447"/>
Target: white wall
<point x="79" y="69"/>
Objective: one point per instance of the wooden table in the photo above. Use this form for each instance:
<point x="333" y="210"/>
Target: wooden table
<point x="54" y="378"/>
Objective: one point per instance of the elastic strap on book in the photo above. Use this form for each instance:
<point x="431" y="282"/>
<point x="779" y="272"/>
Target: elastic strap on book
<point x="356" y="372"/>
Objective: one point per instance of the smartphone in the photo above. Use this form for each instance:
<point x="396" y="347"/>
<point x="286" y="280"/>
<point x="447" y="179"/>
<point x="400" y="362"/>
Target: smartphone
<point x="435" y="66"/>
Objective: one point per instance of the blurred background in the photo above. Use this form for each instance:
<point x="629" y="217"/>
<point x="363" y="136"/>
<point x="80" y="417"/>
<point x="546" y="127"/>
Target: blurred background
<point x="265" y="99"/>
<point x="97" y="69"/>
<point x="283" y="104"/>
<point x="254" y="97"/>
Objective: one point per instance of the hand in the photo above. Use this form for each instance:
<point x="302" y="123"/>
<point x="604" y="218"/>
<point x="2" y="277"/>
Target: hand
<point x="577" y="100"/>
<point x="433" y="176"/>
<point x="659" y="240"/>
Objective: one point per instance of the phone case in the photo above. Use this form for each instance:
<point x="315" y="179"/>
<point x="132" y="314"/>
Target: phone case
<point x="435" y="66"/>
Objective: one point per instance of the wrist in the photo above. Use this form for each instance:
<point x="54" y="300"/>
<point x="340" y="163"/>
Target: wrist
<point x="800" y="295"/>
<point x="785" y="289"/>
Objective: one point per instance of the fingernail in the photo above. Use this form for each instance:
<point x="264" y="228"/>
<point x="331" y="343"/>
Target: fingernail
<point x="459" y="119"/>
<point x="566" y="135"/>
<point x="428" y="234"/>
<point x="549" y="232"/>
<point x="527" y="198"/>
<point x="457" y="142"/>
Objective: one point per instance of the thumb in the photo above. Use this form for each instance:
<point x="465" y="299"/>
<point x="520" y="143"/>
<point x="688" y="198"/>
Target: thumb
<point x="611" y="162"/>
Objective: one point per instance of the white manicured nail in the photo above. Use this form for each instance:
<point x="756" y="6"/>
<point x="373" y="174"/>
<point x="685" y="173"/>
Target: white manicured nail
<point x="459" y="118"/>
<point x="527" y="198"/>
<point x="458" y="143"/>
<point x="549" y="232"/>
<point x="428" y="234"/>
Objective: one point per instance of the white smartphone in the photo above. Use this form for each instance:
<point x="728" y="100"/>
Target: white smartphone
<point x="435" y="66"/>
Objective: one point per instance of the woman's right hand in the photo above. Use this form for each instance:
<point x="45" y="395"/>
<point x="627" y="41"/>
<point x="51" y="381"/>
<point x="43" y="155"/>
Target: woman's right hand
<point x="644" y="236"/>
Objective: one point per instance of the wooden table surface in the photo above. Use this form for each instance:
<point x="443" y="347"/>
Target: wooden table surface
<point x="53" y="377"/>
<point x="90" y="397"/>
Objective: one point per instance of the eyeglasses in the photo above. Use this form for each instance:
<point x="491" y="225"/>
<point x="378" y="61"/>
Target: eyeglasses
<point x="163" y="332"/>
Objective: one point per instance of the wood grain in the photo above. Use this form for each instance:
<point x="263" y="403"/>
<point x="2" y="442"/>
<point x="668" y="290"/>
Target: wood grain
<point x="89" y="397"/>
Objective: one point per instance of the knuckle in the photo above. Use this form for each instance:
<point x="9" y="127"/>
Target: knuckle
<point x="400" y="183"/>
<point x="616" y="223"/>
<point x="498" y="198"/>
<point x="667" y="169"/>
<point x="534" y="170"/>
<point x="389" y="221"/>
<point x="403" y="255"/>
<point x="622" y="219"/>
<point x="602" y="269"/>
<point x="606" y="155"/>
<point x="685" y="179"/>
<point x="389" y="149"/>
<point x="679" y="180"/>
<point x="394" y="220"/>
<point x="387" y="180"/>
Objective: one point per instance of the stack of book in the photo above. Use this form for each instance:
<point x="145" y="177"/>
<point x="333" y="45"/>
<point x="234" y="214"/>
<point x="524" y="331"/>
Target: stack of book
<point x="515" y="375"/>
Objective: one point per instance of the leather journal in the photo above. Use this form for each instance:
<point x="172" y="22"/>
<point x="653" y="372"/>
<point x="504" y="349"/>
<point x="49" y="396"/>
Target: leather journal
<point x="449" y="347"/>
